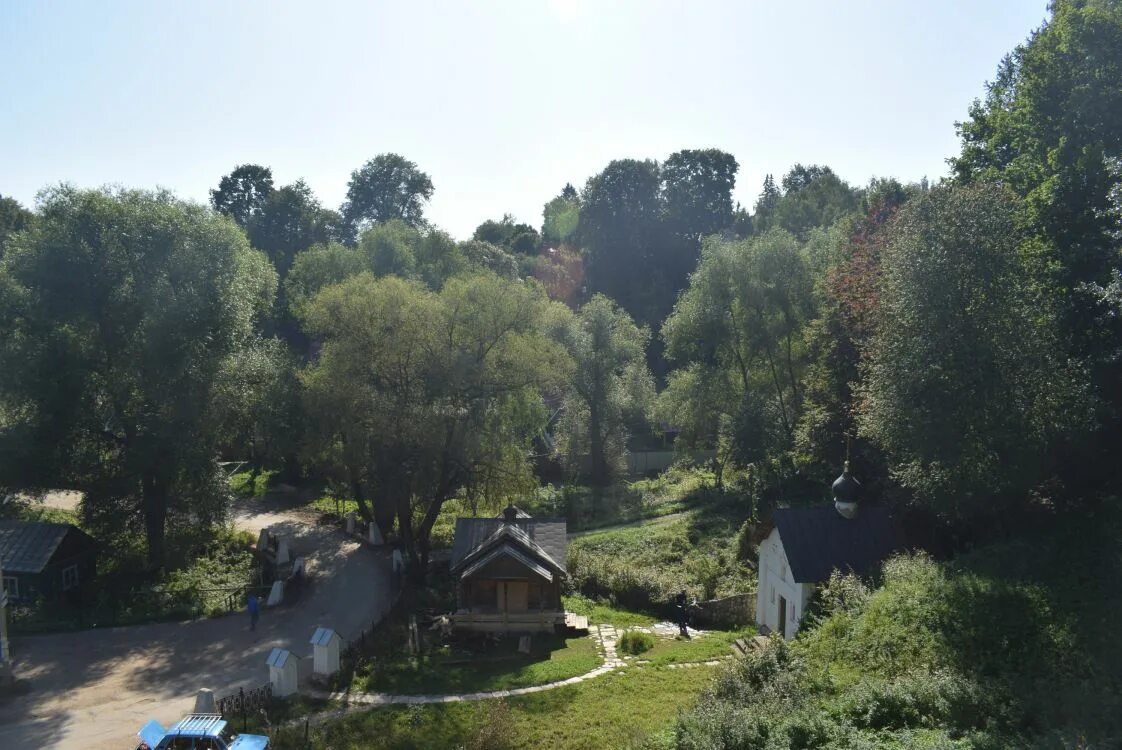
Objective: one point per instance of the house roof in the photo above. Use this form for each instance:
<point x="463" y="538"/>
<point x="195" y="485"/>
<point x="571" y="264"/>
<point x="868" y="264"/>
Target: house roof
<point x="819" y="540"/>
<point x="508" y="550"/>
<point x="543" y="538"/>
<point x="27" y="546"/>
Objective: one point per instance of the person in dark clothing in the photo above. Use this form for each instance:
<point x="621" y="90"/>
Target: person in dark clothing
<point x="252" y="607"/>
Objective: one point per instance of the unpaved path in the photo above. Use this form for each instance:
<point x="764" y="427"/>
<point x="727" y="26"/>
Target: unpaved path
<point x="94" y="689"/>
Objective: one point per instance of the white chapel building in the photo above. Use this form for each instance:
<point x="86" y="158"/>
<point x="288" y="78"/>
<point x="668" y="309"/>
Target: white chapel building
<point x="806" y="545"/>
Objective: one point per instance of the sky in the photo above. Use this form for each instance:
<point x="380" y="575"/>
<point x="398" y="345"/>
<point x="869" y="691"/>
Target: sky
<point x="500" y="102"/>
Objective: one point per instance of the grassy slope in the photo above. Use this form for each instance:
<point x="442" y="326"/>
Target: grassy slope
<point x="498" y="668"/>
<point x="1014" y="645"/>
<point x="617" y="710"/>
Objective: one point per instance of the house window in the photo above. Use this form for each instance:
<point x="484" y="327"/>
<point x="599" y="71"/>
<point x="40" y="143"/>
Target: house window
<point x="792" y="613"/>
<point x="69" y="577"/>
<point x="772" y="595"/>
<point x="11" y="587"/>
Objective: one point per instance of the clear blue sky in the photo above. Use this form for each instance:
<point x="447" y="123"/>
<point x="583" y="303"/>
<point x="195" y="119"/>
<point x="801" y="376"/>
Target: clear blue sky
<point x="502" y="103"/>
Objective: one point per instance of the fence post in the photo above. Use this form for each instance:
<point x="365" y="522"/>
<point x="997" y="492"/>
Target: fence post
<point x="241" y="700"/>
<point x="306" y="732"/>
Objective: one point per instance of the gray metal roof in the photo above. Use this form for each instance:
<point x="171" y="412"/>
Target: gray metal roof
<point x="547" y="533"/>
<point x="27" y="546"/>
<point x="818" y="540"/>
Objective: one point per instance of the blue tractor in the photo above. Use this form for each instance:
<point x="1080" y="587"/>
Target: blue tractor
<point x="199" y="732"/>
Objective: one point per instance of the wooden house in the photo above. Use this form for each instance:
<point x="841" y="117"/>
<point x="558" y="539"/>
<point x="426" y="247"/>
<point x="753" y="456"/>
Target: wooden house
<point x="509" y="572"/>
<point x="45" y="560"/>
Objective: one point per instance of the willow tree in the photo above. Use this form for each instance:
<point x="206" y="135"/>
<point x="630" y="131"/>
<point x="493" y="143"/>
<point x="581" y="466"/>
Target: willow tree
<point x="423" y="395"/>
<point x="120" y="311"/>
<point x="742" y="318"/>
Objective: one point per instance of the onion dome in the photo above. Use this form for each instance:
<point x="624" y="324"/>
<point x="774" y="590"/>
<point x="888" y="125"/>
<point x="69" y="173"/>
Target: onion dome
<point x="846" y="489"/>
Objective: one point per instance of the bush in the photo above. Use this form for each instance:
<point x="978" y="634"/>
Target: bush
<point x="635" y="642"/>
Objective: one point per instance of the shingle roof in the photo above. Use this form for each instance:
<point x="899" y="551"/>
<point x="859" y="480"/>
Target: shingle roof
<point x="27" y="546"/>
<point x="818" y="540"/>
<point x="547" y="533"/>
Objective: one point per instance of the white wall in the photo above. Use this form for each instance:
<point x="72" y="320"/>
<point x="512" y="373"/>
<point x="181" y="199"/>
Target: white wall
<point x="776" y="581"/>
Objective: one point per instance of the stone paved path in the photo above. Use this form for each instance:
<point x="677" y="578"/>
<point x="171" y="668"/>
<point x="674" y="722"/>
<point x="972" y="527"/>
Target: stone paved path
<point x="93" y="689"/>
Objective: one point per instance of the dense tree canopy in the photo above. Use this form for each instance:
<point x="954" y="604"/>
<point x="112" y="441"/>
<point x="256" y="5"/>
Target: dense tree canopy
<point x="611" y="388"/>
<point x="13" y="218"/>
<point x="122" y="310"/>
<point x="242" y="194"/>
<point x="420" y="395"/>
<point x="966" y="386"/>
<point x="385" y="188"/>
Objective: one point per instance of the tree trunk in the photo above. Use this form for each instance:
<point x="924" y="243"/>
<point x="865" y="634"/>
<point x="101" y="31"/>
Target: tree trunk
<point x="598" y="474"/>
<point x="154" y="503"/>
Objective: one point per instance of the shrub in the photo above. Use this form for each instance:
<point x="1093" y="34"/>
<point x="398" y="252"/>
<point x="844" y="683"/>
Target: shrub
<point x="635" y="642"/>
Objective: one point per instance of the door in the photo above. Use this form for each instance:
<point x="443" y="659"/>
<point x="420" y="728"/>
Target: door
<point x="516" y="596"/>
<point x="783" y="617"/>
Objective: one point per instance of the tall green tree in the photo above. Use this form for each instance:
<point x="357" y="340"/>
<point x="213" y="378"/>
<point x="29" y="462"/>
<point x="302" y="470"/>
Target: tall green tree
<point x="561" y="217"/>
<point x="611" y="388"/>
<point x="966" y="385"/>
<point x="743" y="315"/>
<point x="620" y="231"/>
<point x="291" y="219"/>
<point x="121" y="310"/>
<point x="13" y="218"/>
<point x="387" y="187"/>
<point x="422" y="395"/>
<point x="242" y="194"/>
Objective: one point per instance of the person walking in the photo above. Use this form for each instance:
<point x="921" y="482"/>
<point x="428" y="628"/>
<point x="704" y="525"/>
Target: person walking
<point x="253" y="609"/>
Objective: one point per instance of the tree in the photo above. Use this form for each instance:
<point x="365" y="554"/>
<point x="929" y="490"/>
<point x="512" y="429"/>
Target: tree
<point x="13" y="218"/>
<point x="291" y="220"/>
<point x="697" y="190"/>
<point x="813" y="197"/>
<point x="510" y="235"/>
<point x="743" y="315"/>
<point x="620" y="228"/>
<point x="611" y="386"/>
<point x="396" y="248"/>
<point x="966" y="385"/>
<point x="318" y="267"/>
<point x="422" y="395"/>
<point x="242" y="194"/>
<point x="560" y="219"/>
<point x="386" y="187"/>
<point x="122" y="309"/>
<point x="765" y="205"/>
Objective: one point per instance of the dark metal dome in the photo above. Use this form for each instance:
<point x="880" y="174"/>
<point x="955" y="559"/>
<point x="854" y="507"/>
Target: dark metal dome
<point x="846" y="488"/>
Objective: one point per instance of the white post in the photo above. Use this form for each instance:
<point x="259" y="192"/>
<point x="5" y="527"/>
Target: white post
<point x="376" y="535"/>
<point x="204" y="702"/>
<point x="325" y="651"/>
<point x="276" y="594"/>
<point x="284" y="672"/>
<point x="351" y="522"/>
<point x="283" y="555"/>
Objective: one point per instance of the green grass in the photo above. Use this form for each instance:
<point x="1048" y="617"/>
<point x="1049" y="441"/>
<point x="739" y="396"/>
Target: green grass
<point x="714" y="644"/>
<point x="643" y="567"/>
<point x="244" y="484"/>
<point x="482" y="668"/>
<point x="600" y="613"/>
<point x="617" y="710"/>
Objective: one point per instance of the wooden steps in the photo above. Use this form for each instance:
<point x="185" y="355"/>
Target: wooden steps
<point x="576" y="623"/>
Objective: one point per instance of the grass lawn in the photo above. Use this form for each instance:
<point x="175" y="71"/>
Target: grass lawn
<point x="714" y="644"/>
<point x="600" y="613"/>
<point x="496" y="667"/>
<point x="617" y="710"/>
